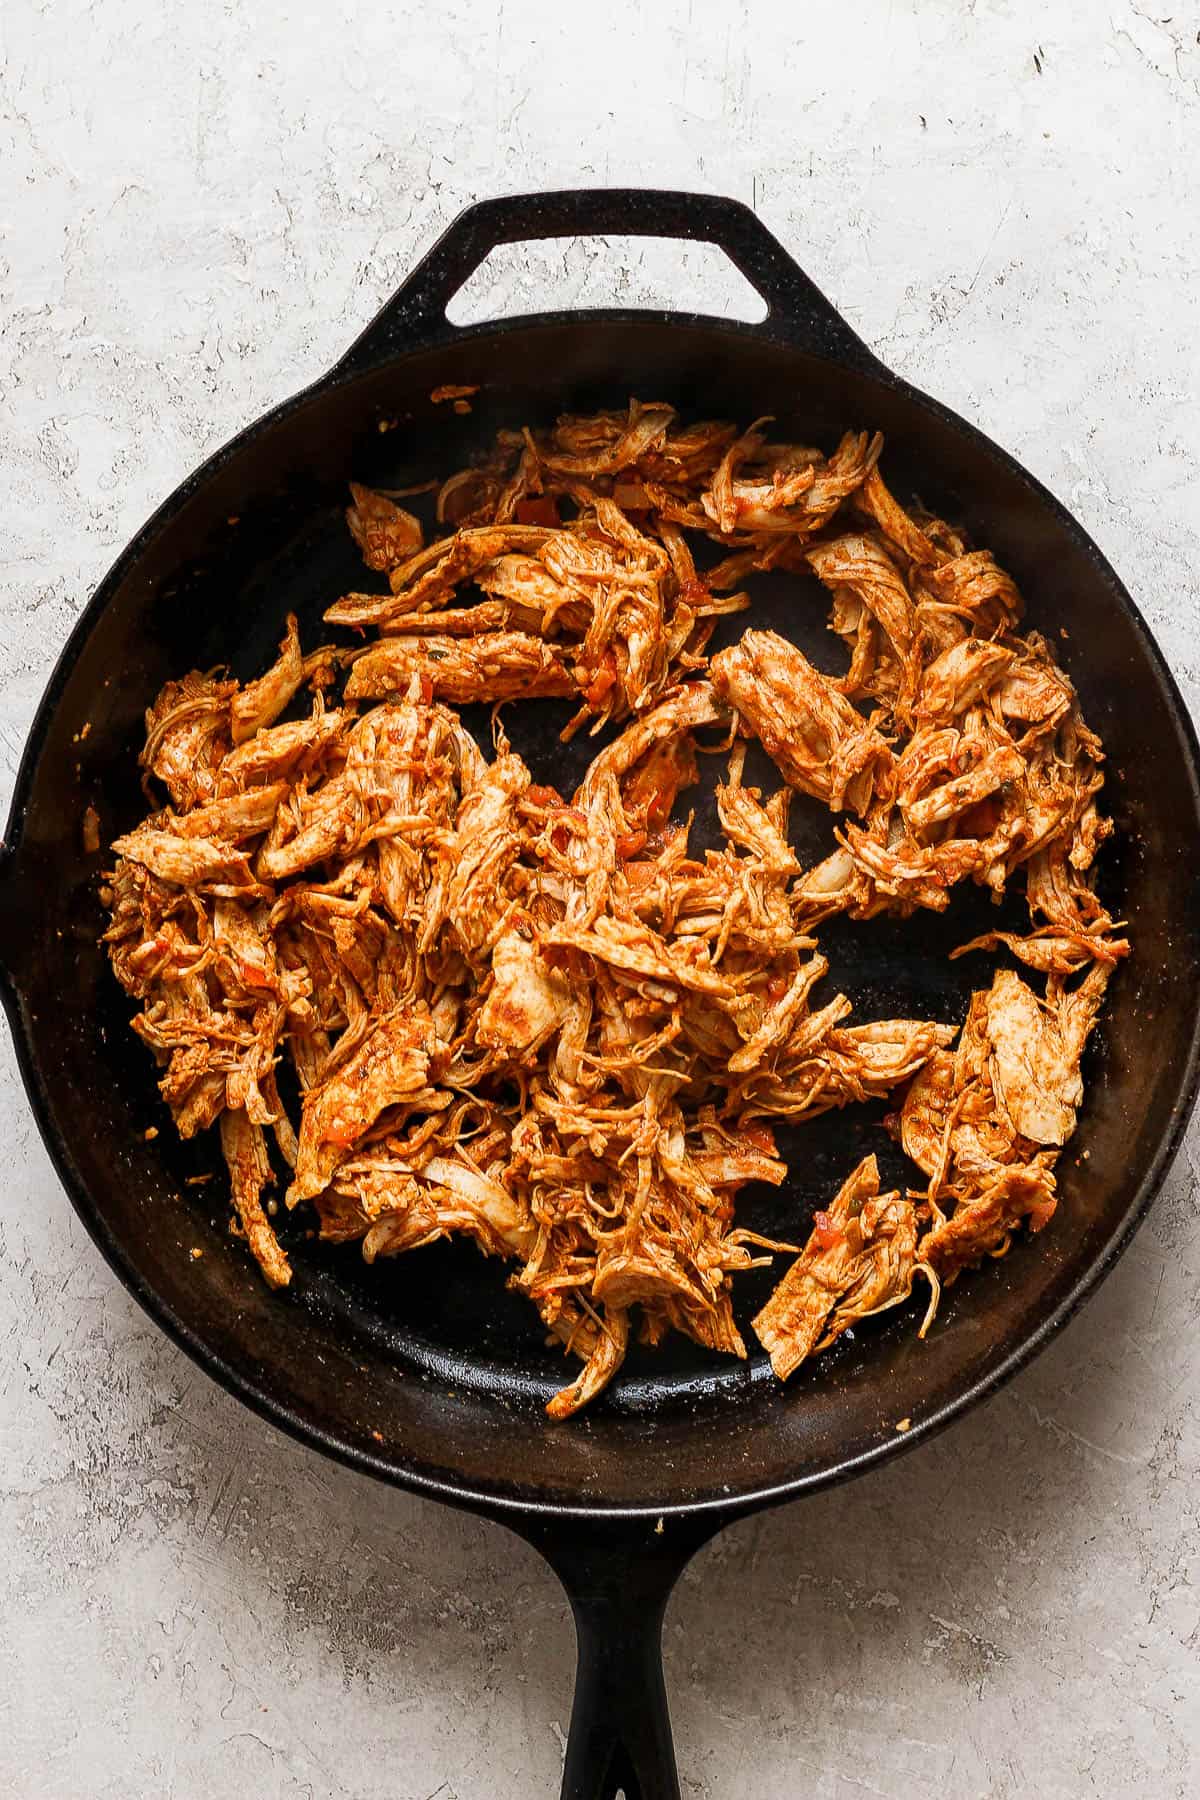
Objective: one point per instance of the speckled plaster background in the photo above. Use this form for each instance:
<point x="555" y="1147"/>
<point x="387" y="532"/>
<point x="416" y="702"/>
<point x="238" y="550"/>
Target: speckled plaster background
<point x="199" y="208"/>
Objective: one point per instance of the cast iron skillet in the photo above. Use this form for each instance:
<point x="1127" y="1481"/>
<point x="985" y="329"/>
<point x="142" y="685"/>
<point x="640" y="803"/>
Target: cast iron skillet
<point x="425" y="1372"/>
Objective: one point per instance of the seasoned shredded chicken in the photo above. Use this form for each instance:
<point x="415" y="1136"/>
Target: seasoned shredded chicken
<point x="541" y="1020"/>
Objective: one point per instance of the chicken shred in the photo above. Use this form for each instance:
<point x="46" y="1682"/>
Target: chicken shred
<point x="537" y="1019"/>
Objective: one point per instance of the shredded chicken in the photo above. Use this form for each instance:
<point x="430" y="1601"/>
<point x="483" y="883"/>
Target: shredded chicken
<point x="860" y="1260"/>
<point x="539" y="1020"/>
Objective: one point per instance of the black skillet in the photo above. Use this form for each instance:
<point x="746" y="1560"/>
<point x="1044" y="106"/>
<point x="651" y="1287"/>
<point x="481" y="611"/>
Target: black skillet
<point x="425" y="1372"/>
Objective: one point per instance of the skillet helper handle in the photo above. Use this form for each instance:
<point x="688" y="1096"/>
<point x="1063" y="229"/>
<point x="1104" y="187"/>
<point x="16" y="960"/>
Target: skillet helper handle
<point x="797" y="311"/>
<point x="619" y="1586"/>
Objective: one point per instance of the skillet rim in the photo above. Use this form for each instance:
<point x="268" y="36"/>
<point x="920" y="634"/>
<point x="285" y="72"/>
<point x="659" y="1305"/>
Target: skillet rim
<point x="501" y="1501"/>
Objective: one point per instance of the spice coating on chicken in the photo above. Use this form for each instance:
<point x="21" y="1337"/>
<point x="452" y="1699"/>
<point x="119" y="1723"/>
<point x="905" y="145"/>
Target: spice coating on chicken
<point x="821" y="744"/>
<point x="541" y="1020"/>
<point x="859" y="1260"/>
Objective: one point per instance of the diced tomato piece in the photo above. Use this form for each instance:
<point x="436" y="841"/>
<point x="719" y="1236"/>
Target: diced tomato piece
<point x="640" y="874"/>
<point x="825" y="1231"/>
<point x="341" y="1132"/>
<point x="759" y="1135"/>
<point x="602" y="682"/>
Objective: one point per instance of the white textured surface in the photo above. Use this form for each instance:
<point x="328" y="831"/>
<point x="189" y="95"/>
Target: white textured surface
<point x="199" y="206"/>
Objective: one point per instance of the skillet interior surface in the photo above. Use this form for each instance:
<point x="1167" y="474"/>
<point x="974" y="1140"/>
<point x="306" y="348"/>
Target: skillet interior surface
<point x="425" y="1369"/>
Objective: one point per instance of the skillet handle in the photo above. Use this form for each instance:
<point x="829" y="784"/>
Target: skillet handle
<point x="798" y="313"/>
<point x="619" y="1580"/>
